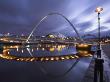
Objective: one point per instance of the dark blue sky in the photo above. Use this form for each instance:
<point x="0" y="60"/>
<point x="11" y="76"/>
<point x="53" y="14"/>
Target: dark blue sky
<point x="20" y="16"/>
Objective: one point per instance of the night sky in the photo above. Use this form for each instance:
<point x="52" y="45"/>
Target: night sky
<point x="21" y="16"/>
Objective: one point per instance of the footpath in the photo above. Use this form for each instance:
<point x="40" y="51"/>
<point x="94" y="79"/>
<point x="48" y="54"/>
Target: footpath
<point x="89" y="75"/>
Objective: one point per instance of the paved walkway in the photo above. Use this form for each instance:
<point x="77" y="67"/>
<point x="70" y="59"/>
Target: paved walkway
<point x="89" y="76"/>
<point x="106" y="57"/>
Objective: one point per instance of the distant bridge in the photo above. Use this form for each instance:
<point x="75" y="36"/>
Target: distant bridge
<point x="86" y="35"/>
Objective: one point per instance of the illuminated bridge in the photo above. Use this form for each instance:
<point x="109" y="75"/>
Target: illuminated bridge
<point x="53" y="48"/>
<point x="27" y="41"/>
<point x="30" y="41"/>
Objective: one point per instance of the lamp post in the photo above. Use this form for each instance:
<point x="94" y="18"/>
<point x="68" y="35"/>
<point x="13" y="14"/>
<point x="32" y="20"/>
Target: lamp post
<point x="98" y="10"/>
<point x="98" y="68"/>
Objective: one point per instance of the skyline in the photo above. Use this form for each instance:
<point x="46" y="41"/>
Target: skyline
<point x="21" y="16"/>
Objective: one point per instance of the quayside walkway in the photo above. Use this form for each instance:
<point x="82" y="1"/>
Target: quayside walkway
<point x="89" y="75"/>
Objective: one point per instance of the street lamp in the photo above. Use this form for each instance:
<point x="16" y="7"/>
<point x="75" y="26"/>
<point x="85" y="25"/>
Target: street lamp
<point x="98" y="10"/>
<point x="98" y="68"/>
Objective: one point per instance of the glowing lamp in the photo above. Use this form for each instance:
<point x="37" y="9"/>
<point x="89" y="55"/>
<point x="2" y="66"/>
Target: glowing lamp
<point x="98" y="9"/>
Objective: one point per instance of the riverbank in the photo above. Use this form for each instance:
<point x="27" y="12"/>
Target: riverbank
<point x="89" y="76"/>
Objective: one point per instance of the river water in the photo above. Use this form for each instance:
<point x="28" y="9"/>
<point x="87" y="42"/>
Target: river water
<point x="39" y="71"/>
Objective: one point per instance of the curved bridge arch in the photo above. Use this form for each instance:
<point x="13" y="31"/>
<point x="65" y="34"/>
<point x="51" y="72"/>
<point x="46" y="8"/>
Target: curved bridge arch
<point x="45" y="17"/>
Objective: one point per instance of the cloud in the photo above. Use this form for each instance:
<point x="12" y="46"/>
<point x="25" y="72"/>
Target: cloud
<point x="19" y="15"/>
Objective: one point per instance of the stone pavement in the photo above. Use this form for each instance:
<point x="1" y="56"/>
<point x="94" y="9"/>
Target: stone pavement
<point x="89" y="76"/>
<point x="105" y="56"/>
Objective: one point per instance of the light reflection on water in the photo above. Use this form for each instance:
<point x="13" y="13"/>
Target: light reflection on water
<point x="39" y="50"/>
<point x="73" y="69"/>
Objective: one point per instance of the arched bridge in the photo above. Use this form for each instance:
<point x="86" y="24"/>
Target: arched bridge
<point x="45" y="17"/>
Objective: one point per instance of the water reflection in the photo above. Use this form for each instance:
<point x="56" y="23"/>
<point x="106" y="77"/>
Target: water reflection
<point x="45" y="52"/>
<point x="52" y="65"/>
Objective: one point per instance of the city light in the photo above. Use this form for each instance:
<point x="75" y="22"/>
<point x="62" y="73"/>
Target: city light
<point x="43" y="58"/>
<point x="50" y="47"/>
